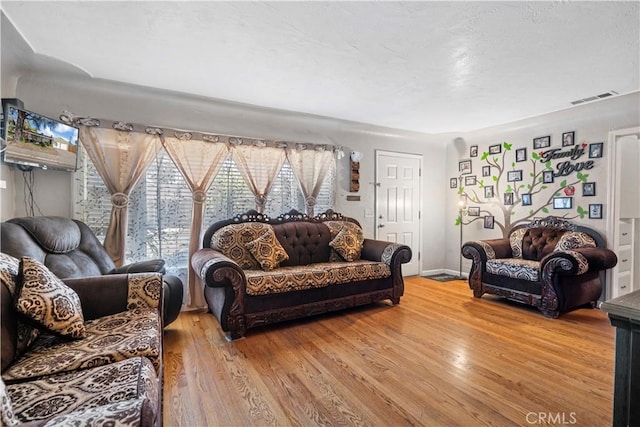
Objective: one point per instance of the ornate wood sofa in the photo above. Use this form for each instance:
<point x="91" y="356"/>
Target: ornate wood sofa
<point x="324" y="264"/>
<point x="104" y="369"/>
<point x="549" y="263"/>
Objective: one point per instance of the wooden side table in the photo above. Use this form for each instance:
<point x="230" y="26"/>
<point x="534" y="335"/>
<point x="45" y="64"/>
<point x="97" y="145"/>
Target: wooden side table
<point x="624" y="314"/>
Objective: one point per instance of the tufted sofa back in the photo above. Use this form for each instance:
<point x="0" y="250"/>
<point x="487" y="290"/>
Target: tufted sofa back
<point x="305" y="242"/>
<point x="67" y="247"/>
<point x="536" y="243"/>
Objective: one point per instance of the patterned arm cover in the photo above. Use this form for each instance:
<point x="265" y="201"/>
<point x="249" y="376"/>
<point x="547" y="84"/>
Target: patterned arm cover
<point x="381" y="251"/>
<point x="488" y="249"/>
<point x="217" y="270"/>
<point x="104" y="295"/>
<point x="578" y="261"/>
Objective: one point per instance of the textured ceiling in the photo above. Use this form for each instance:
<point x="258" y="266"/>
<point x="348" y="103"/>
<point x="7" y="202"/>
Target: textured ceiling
<point x="424" y="66"/>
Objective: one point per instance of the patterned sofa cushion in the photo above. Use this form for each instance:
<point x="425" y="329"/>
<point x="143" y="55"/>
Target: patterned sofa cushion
<point x="84" y="389"/>
<point x="110" y="339"/>
<point x="132" y="413"/>
<point x="515" y="240"/>
<point x="267" y="250"/>
<point x="7" y="417"/>
<point x="286" y="279"/>
<point x="515" y="268"/>
<point x="346" y="240"/>
<point x="574" y="240"/>
<point x="231" y="240"/>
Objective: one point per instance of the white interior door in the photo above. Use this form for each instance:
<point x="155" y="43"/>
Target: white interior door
<point x="398" y="203"/>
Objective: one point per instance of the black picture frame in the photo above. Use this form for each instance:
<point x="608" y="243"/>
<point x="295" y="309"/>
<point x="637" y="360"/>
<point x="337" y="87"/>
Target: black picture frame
<point x="595" y="150"/>
<point x="563" y="203"/>
<point x="521" y="155"/>
<point x="495" y="149"/>
<point x="513" y="176"/>
<point x="508" y="199"/>
<point x="473" y="151"/>
<point x="453" y="182"/>
<point x="526" y="199"/>
<point x="547" y="177"/>
<point x="595" y="211"/>
<point x="541" y="142"/>
<point x="488" y="221"/>
<point x="464" y="167"/>
<point x="470" y="180"/>
<point x="488" y="192"/>
<point x="473" y="211"/>
<point x="568" y="139"/>
<point x="486" y="171"/>
<point x="588" y="189"/>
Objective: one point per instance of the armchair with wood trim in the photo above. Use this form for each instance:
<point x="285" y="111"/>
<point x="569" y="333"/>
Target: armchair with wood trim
<point x="549" y="263"/>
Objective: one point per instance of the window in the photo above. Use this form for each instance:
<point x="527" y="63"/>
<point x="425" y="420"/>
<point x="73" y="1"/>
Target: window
<point x="159" y="217"/>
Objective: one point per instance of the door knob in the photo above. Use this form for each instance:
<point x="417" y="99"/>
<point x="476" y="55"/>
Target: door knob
<point x="381" y="225"/>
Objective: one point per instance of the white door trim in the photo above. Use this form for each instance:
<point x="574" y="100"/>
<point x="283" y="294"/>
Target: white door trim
<point x="420" y="158"/>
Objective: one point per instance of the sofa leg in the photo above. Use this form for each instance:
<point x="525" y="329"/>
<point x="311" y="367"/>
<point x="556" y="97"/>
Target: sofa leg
<point x="234" y="336"/>
<point x="552" y="314"/>
<point x="395" y="301"/>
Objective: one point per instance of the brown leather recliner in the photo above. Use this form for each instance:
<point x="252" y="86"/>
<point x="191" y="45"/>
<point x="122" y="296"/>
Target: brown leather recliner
<point x="70" y="249"/>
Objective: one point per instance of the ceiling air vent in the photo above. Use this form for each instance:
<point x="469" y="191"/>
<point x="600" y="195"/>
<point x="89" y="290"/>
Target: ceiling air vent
<point x="594" y="98"/>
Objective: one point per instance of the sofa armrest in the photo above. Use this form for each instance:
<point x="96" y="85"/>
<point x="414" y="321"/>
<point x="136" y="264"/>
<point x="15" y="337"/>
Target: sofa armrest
<point x="488" y="249"/>
<point x="104" y="295"/>
<point x="387" y="252"/>
<point x="147" y="266"/>
<point x="578" y="261"/>
<point x="215" y="269"/>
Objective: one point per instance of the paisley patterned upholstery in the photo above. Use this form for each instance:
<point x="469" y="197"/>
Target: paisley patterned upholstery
<point x="319" y="275"/>
<point x="488" y="249"/>
<point x="7" y="417"/>
<point x="109" y="339"/>
<point x="515" y="239"/>
<point x="346" y="240"/>
<point x="516" y="268"/>
<point x="231" y="240"/>
<point x="267" y="250"/>
<point x="88" y="388"/>
<point x="126" y="413"/>
<point x="574" y="240"/>
<point x="50" y="303"/>
<point x="387" y="253"/>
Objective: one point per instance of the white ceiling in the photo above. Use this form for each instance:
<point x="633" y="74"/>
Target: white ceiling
<point x="424" y="66"/>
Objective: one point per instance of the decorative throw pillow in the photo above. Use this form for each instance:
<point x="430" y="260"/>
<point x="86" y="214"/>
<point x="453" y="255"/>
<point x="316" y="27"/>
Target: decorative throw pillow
<point x="574" y="240"/>
<point x="267" y="250"/>
<point x="6" y="415"/>
<point x="47" y="301"/>
<point x="27" y="333"/>
<point x="348" y="244"/>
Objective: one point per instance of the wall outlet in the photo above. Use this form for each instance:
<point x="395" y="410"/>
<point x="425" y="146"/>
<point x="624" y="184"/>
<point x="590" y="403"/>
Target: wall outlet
<point x="3" y="184"/>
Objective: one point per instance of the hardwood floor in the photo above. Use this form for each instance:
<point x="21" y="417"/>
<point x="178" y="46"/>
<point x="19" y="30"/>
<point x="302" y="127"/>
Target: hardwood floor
<point x="440" y="358"/>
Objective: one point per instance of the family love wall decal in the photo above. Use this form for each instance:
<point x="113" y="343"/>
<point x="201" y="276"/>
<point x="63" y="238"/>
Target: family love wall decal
<point x="567" y="167"/>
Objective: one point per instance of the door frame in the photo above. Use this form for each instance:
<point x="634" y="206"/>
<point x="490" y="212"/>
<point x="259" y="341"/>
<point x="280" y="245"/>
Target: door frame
<point x="613" y="203"/>
<point x="376" y="213"/>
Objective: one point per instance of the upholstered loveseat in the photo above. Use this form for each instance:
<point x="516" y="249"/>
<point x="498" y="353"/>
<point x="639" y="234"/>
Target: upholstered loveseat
<point x="257" y="270"/>
<point x="86" y="351"/>
<point x="70" y="249"/>
<point x="549" y="263"/>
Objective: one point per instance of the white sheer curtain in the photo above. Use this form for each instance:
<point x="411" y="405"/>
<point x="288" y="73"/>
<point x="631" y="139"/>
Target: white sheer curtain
<point x="310" y="165"/>
<point x="121" y="156"/>
<point x="199" y="158"/>
<point x="259" y="164"/>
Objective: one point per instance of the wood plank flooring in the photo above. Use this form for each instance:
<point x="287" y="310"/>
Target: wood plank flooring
<point x="440" y="358"/>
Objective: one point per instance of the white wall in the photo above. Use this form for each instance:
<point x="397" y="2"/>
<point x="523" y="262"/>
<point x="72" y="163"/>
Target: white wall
<point x="51" y="95"/>
<point x="591" y="123"/>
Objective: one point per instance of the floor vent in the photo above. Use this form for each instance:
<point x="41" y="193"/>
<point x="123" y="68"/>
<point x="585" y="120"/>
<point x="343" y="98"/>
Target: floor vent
<point x="594" y="98"/>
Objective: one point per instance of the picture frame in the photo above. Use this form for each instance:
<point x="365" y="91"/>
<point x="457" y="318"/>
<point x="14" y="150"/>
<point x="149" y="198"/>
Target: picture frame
<point x="563" y="203"/>
<point x="486" y="171"/>
<point x="508" y="199"/>
<point x="470" y="180"/>
<point x="464" y="167"/>
<point x="568" y="139"/>
<point x="526" y="199"/>
<point x="495" y="149"/>
<point x="521" y="155"/>
<point x="541" y="142"/>
<point x="547" y="177"/>
<point x="473" y="211"/>
<point x="473" y="151"/>
<point x="588" y="189"/>
<point x="453" y="182"/>
<point x="595" y="150"/>
<point x="488" y="221"/>
<point x="513" y="176"/>
<point x="595" y="211"/>
<point x="488" y="192"/>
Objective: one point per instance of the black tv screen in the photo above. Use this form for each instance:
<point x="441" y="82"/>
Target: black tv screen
<point x="34" y="140"/>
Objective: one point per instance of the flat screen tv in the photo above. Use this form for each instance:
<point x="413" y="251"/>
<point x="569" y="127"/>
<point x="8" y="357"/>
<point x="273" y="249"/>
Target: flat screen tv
<point x="37" y="141"/>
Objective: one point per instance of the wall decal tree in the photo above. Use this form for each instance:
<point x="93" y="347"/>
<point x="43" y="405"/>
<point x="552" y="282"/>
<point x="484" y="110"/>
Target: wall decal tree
<point x="505" y="215"/>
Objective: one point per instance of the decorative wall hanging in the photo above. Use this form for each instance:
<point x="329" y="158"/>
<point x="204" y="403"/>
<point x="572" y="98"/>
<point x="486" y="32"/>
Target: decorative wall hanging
<point x="541" y="142"/>
<point x="464" y="167"/>
<point x="595" y="211"/>
<point x="453" y="183"/>
<point x="473" y="151"/>
<point x="470" y="180"/>
<point x="589" y="189"/>
<point x="495" y="149"/>
<point x="562" y="203"/>
<point x="568" y="138"/>
<point x="595" y="150"/>
<point x="521" y="155"/>
<point x="486" y="171"/>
